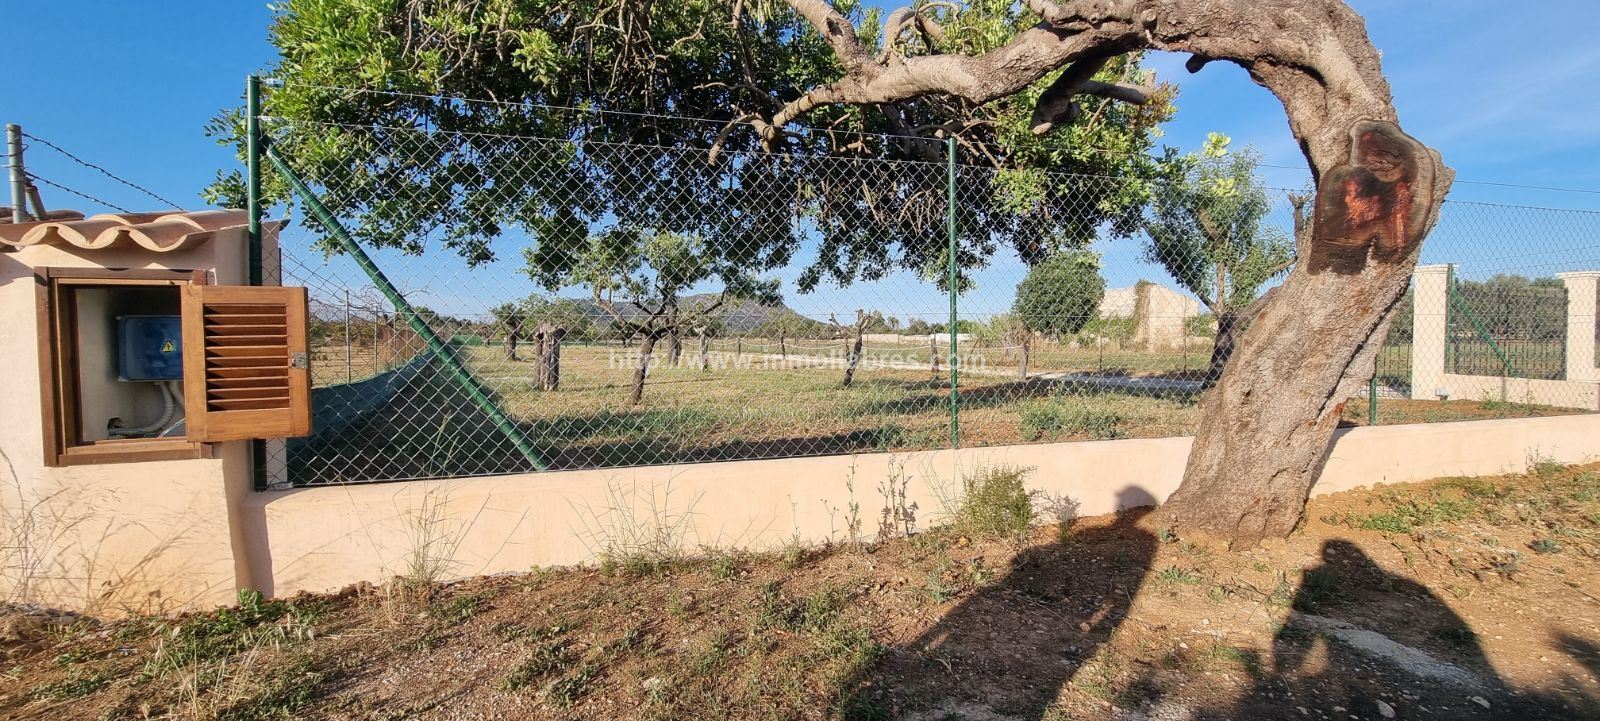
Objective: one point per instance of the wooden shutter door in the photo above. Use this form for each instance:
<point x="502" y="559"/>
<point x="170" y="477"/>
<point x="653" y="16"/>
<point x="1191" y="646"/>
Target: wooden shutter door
<point x="245" y="364"/>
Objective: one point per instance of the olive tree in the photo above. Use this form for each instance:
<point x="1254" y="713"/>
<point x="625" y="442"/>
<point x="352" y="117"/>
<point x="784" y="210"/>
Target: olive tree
<point x="639" y="278"/>
<point x="1266" y="425"/>
<point x="1210" y="232"/>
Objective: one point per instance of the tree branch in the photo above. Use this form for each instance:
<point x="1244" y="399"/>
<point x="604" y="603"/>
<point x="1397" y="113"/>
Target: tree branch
<point x="1313" y="54"/>
<point x="1302" y="224"/>
<point x="1055" y="104"/>
<point x="896" y="23"/>
<point x="836" y="30"/>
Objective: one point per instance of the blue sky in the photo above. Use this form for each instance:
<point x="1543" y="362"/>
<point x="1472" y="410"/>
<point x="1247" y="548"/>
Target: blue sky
<point x="1506" y="96"/>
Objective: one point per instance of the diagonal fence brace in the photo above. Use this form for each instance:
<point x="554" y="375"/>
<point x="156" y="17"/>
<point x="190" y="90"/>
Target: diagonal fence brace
<point x="437" y="345"/>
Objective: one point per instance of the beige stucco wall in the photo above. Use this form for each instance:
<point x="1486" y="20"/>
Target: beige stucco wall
<point x="1584" y="395"/>
<point x="113" y="537"/>
<point x="322" y="538"/>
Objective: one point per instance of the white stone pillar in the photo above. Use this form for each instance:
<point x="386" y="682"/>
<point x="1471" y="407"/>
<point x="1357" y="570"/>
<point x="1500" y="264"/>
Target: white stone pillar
<point x="1581" y="292"/>
<point x="1429" y="301"/>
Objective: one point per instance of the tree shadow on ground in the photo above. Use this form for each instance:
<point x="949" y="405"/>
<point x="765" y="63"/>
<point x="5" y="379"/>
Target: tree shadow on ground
<point x="1379" y="645"/>
<point x="1010" y="647"/>
<point x="1000" y="394"/>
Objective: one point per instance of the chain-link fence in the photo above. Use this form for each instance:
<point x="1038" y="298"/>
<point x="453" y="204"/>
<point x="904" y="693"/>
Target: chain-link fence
<point x="578" y="303"/>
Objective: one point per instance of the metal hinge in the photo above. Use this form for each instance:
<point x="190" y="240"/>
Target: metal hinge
<point x="299" y="360"/>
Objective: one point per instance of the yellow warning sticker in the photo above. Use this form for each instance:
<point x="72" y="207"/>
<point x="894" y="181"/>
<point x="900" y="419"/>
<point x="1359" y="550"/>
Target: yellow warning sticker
<point x="168" y="347"/>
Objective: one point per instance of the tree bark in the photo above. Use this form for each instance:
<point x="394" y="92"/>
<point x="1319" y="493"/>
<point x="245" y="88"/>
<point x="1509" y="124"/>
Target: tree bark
<point x="1222" y="346"/>
<point x="674" y="349"/>
<point x="549" y="339"/>
<point x="783" y="350"/>
<point x="1267" y="424"/>
<point x="853" y="359"/>
<point x="646" y="345"/>
<point x="513" y="329"/>
<point x="933" y="356"/>
<point x="1027" y="348"/>
<point x="705" y="352"/>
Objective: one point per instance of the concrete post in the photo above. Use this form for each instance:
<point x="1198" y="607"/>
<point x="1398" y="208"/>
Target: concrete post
<point x="1428" y="331"/>
<point x="1581" y="292"/>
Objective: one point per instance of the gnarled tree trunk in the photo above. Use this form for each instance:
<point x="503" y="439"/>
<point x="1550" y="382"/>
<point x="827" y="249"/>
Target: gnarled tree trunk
<point x="513" y="329"/>
<point x="1022" y="360"/>
<point x="1267" y="424"/>
<point x="674" y="349"/>
<point x="1222" y="346"/>
<point x="549" y="338"/>
<point x="647" y="344"/>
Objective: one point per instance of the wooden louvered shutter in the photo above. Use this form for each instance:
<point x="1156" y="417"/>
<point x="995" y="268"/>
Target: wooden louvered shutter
<point x="245" y="364"/>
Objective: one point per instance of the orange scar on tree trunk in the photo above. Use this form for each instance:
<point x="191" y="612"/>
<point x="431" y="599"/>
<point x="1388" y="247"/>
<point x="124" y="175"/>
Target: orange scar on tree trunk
<point x="1367" y="209"/>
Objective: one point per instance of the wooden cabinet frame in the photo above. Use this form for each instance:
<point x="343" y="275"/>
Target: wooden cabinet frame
<point x="246" y="368"/>
<point x="58" y="368"/>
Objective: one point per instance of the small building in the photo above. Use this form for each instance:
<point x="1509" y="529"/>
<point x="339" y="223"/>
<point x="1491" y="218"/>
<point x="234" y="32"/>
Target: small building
<point x="1161" y="315"/>
<point x="140" y="364"/>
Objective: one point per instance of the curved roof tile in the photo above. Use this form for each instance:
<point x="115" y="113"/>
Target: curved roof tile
<point x="161" y="231"/>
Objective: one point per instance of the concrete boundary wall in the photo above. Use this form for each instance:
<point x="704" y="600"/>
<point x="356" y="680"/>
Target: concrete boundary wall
<point x="1533" y="391"/>
<point x="320" y="539"/>
<point x="1431" y="379"/>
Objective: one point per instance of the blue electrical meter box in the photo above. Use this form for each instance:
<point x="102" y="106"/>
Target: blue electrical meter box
<point x="149" y="348"/>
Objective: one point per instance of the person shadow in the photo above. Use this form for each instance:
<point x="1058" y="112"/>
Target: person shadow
<point x="1352" y="642"/>
<point x="1009" y="648"/>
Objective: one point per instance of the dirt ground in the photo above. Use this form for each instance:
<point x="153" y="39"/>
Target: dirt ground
<point x="1462" y="598"/>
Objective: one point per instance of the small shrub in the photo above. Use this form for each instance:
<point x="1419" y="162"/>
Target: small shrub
<point x="456" y="610"/>
<point x="284" y="690"/>
<point x="1173" y="574"/>
<point x="1065" y="415"/>
<point x="1319" y="586"/>
<point x="547" y="659"/>
<point x="1545" y="545"/>
<point x="1405" y="514"/>
<point x="1061" y="509"/>
<point x="811" y="614"/>
<point x="565" y="691"/>
<point x="75" y="685"/>
<point x="1506" y="564"/>
<point x="1545" y="467"/>
<point x="255" y="622"/>
<point x="995" y="503"/>
<point x="939" y="591"/>
<point x="1458" y="635"/>
<point x="725" y="565"/>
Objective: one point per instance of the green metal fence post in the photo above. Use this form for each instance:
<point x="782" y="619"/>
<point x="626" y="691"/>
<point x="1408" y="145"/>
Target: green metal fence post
<point x="950" y="212"/>
<point x="252" y="144"/>
<point x="252" y="204"/>
<point x="435" y="344"/>
<point x="1372" y="400"/>
<point x="1449" y="327"/>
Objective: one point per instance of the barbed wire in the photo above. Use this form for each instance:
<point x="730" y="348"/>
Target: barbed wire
<point x="80" y="194"/>
<point x="103" y="171"/>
